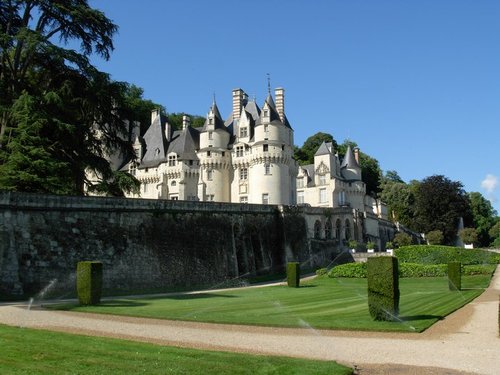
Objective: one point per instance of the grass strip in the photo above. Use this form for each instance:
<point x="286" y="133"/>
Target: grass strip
<point x="319" y="303"/>
<point x="29" y="351"/>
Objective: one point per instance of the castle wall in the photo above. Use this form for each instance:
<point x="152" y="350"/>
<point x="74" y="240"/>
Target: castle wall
<point x="143" y="244"/>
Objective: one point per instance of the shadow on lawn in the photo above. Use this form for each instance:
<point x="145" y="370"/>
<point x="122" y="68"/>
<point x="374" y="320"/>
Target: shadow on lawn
<point x="420" y="317"/>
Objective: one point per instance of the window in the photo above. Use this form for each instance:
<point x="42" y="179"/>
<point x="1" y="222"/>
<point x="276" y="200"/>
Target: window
<point x="173" y="183"/>
<point x="145" y="187"/>
<point x="322" y="179"/>
<point x="190" y="162"/>
<point x="267" y="168"/>
<point x="243" y="174"/>
<point x="282" y="147"/>
<point x="342" y="198"/>
<point x="157" y="151"/>
<point x="223" y="153"/>
<point x="347" y="229"/>
<point x="209" y="154"/>
<point x="265" y="148"/>
<point x="328" y="229"/>
<point x="210" y="121"/>
<point x="244" y="132"/>
<point x="209" y="174"/>
<point x="300" y="197"/>
<point x="322" y="196"/>
<point x="174" y="197"/>
<point x="171" y="160"/>
<point x="210" y="135"/>
<point x="338" y="226"/>
<point x="133" y="168"/>
<point x="243" y="199"/>
<point x="266" y="128"/>
<point x="266" y="113"/>
<point x="300" y="182"/>
<point x="210" y="197"/>
<point x="265" y="198"/>
<point x="239" y="151"/>
<point x="317" y="229"/>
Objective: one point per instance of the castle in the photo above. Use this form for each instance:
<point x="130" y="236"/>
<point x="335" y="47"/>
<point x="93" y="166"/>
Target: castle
<point x="248" y="158"/>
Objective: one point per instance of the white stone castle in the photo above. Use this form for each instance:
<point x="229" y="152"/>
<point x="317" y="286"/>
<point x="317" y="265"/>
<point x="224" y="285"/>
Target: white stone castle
<point x="248" y="158"/>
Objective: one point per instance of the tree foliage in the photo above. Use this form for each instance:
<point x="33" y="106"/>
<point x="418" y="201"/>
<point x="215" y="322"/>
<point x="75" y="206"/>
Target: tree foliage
<point x="59" y="116"/>
<point x="483" y="216"/>
<point x="175" y="120"/>
<point x="435" y="237"/>
<point x="468" y="235"/>
<point x="402" y="239"/>
<point x="305" y="154"/>
<point x="439" y="204"/>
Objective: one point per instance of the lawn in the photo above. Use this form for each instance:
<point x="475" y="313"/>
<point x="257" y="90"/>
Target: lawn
<point x="319" y="303"/>
<point x="28" y="351"/>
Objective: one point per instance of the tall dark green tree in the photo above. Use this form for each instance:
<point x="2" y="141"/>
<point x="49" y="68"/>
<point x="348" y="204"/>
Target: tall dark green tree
<point x="439" y="204"/>
<point x="305" y="154"/>
<point x="483" y="216"/>
<point x="57" y="110"/>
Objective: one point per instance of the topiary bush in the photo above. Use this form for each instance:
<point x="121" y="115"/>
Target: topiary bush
<point x="355" y="270"/>
<point x="422" y="270"/>
<point x="434" y="254"/>
<point x="402" y="239"/>
<point x="321" y="271"/>
<point x="435" y="237"/>
<point x="89" y="282"/>
<point x="293" y="274"/>
<point x="383" y="288"/>
<point x="454" y="275"/>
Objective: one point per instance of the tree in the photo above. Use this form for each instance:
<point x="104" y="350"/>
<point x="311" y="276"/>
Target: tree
<point x="402" y="239"/>
<point x="468" y="235"/>
<point x="27" y="29"/>
<point x="62" y="116"/>
<point x="434" y="237"/>
<point x="311" y="145"/>
<point x="439" y="204"/>
<point x="483" y="216"/>
<point x="400" y="199"/>
<point x="175" y="120"/>
<point x="494" y="233"/>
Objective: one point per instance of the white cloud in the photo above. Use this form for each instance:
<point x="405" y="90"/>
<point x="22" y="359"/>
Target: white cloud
<point x="490" y="183"/>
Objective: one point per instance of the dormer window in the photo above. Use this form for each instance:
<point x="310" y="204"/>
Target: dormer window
<point x="266" y="113"/>
<point x="266" y="128"/>
<point x="322" y="179"/>
<point x="210" y="121"/>
<point x="244" y="132"/>
<point x="239" y="151"/>
<point x="210" y="135"/>
<point x="172" y="160"/>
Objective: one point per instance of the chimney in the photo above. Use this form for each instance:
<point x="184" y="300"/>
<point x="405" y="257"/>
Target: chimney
<point x="186" y="121"/>
<point x="238" y="96"/>
<point x="279" y="94"/>
<point x="356" y="154"/>
<point x="154" y="114"/>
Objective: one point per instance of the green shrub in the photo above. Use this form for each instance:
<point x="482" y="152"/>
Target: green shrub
<point x="356" y="270"/>
<point x="402" y="239"/>
<point x="454" y="275"/>
<point x="89" y="282"/>
<point x="468" y="235"/>
<point x="422" y="270"/>
<point x="475" y="269"/>
<point x="435" y="237"/>
<point x="434" y="254"/>
<point x="353" y="244"/>
<point x="389" y="245"/>
<point x="370" y="245"/>
<point x="383" y="288"/>
<point x="321" y="271"/>
<point x="293" y="274"/>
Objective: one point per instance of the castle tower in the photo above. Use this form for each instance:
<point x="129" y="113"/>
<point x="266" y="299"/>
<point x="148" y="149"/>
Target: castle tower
<point x="272" y="170"/>
<point x="214" y="179"/>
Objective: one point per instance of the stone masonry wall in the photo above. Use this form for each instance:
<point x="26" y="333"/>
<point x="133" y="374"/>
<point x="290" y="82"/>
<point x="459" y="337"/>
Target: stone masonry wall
<point x="144" y="244"/>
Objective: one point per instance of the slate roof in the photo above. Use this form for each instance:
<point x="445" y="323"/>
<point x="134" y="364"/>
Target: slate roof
<point x="218" y="122"/>
<point x="156" y="143"/>
<point x="349" y="159"/>
<point x="185" y="143"/>
<point x="324" y="149"/>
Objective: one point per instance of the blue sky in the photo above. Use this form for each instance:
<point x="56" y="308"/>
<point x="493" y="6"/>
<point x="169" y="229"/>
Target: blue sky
<point x="415" y="83"/>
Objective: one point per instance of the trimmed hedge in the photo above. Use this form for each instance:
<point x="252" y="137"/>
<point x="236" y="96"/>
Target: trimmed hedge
<point x="293" y="274"/>
<point x="383" y="288"/>
<point x="434" y="254"/>
<point x="358" y="270"/>
<point x="454" y="276"/>
<point x="89" y="282"/>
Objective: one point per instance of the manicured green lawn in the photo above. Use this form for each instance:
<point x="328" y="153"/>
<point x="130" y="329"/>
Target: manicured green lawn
<point x="27" y="351"/>
<point x="320" y="303"/>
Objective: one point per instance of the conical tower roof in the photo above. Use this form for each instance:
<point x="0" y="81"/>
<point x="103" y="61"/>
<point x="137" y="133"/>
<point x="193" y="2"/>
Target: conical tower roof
<point x="349" y="160"/>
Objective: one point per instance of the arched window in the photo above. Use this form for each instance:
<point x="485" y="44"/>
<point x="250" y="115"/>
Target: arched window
<point x="317" y="229"/>
<point x="338" y="226"/>
<point x="347" y="229"/>
<point x="328" y="230"/>
<point x="173" y="183"/>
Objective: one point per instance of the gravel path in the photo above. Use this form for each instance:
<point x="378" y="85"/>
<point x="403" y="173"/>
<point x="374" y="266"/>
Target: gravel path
<point x="466" y="342"/>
